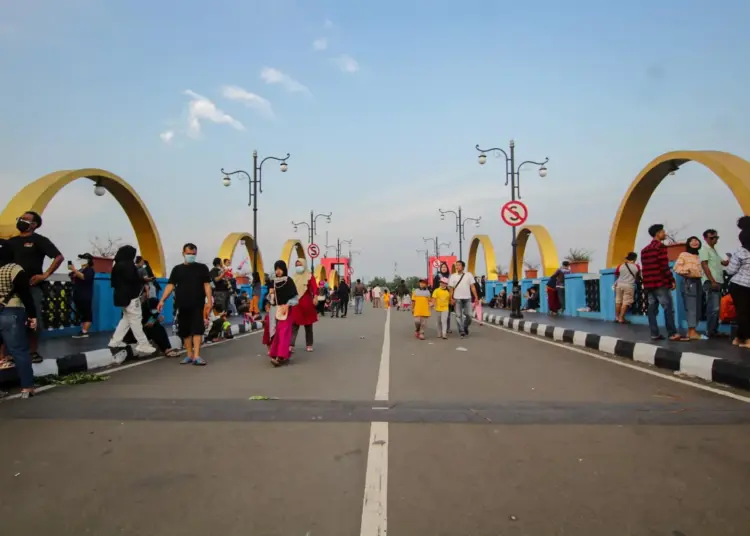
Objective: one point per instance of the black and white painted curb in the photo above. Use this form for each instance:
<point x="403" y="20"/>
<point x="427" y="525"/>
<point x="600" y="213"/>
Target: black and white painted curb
<point x="701" y="366"/>
<point x="96" y="359"/>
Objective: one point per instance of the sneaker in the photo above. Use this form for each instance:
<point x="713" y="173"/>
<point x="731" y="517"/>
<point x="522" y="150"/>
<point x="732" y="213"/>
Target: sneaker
<point x="119" y="355"/>
<point x="145" y="349"/>
<point x="81" y="335"/>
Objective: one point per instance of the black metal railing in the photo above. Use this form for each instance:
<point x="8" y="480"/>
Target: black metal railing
<point x="592" y="289"/>
<point x="58" y="310"/>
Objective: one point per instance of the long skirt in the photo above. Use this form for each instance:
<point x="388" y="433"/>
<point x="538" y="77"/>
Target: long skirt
<point x="553" y="300"/>
<point x="281" y="339"/>
<point x="478" y="311"/>
<point x="254" y="305"/>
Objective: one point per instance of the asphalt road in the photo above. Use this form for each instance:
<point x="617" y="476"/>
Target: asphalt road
<point x="497" y="434"/>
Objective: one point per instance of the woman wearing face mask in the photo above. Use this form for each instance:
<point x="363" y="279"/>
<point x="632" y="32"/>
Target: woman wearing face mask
<point x="688" y="265"/>
<point x="83" y="292"/>
<point x="304" y="314"/>
<point x="444" y="272"/>
<point x="286" y="298"/>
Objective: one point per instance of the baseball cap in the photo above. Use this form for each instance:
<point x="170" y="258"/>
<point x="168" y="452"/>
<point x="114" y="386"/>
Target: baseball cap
<point x="86" y="256"/>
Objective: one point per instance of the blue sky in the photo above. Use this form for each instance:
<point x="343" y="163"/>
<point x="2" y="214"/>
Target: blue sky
<point x="381" y="116"/>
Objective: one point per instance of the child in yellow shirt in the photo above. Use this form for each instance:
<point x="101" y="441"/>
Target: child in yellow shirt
<point x="441" y="297"/>
<point x="386" y="299"/>
<point x="420" y="302"/>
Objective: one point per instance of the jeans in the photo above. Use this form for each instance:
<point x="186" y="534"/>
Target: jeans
<point x="713" y="303"/>
<point x="692" y="295"/>
<point x="14" y="335"/>
<point x="656" y="297"/>
<point x="463" y="315"/>
<point x="359" y="302"/>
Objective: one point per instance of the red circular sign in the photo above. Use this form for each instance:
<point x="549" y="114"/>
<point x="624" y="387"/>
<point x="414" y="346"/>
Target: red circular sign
<point x="313" y="250"/>
<point x="351" y="271"/>
<point x="436" y="264"/>
<point x="514" y="213"/>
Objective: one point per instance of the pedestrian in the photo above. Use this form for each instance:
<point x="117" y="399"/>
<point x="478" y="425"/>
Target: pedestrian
<point x="17" y="313"/>
<point x="82" y="278"/>
<point x="444" y="272"/>
<point x="688" y="265"/>
<point x="359" y="291"/>
<point x="257" y="289"/>
<point x="713" y="280"/>
<point x="321" y="298"/>
<point x="344" y="293"/>
<point x="127" y="289"/>
<point x="376" y="292"/>
<point x="304" y="313"/>
<point x="386" y="298"/>
<point x="286" y="298"/>
<point x="739" y="285"/>
<point x="192" y="283"/>
<point x="659" y="282"/>
<point x="462" y="289"/>
<point x="477" y="304"/>
<point x="627" y="277"/>
<point x="153" y="328"/>
<point x="558" y="280"/>
<point x="441" y="299"/>
<point x="401" y="291"/>
<point x="29" y="251"/>
<point x="421" y="301"/>
<point x="220" y="282"/>
<point x="334" y="302"/>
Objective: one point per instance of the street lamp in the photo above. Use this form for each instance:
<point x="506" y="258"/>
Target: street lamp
<point x="99" y="190"/>
<point x="312" y="229"/>
<point x="460" y="227"/>
<point x="512" y="175"/>
<point x="254" y="183"/>
<point x="337" y="246"/>
<point x="426" y="261"/>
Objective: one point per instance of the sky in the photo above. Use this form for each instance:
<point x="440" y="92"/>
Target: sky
<point x="380" y="105"/>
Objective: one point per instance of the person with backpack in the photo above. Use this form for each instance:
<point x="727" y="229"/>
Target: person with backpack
<point x="627" y="277"/>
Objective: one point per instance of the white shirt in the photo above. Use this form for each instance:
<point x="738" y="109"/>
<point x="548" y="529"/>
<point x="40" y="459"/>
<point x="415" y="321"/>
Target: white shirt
<point x="463" y="290"/>
<point x="376" y="292"/>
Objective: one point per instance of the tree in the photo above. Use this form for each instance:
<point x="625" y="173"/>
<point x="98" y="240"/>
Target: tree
<point x="105" y="246"/>
<point x="377" y="282"/>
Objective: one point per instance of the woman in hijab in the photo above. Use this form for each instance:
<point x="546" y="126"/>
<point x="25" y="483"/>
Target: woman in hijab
<point x="17" y="311"/>
<point x="304" y="314"/>
<point x="127" y="285"/>
<point x="444" y="272"/>
<point x="688" y="265"/>
<point x="322" y="298"/>
<point x="739" y="284"/>
<point x="285" y="297"/>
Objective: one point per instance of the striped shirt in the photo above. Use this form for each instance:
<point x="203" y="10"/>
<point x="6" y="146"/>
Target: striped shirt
<point x="739" y="267"/>
<point x="655" y="269"/>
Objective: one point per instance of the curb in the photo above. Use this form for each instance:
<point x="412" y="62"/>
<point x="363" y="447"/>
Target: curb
<point x="710" y="368"/>
<point x="95" y="359"/>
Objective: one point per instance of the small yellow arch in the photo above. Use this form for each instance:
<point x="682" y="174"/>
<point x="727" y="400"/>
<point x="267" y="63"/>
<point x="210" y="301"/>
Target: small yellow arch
<point x="320" y="274"/>
<point x="36" y="195"/>
<point x="333" y="279"/>
<point x="732" y="170"/>
<point x="547" y="250"/>
<point x="286" y="252"/>
<point x="226" y="250"/>
<point x="489" y="256"/>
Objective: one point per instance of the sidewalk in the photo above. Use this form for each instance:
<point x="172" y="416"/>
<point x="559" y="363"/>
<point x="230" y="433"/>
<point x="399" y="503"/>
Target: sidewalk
<point x="714" y="360"/>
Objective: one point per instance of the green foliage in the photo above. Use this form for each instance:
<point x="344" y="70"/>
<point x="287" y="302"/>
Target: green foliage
<point x="377" y="282"/>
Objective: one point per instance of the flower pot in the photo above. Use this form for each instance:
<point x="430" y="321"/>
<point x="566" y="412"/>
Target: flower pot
<point x="531" y="274"/>
<point x="579" y="267"/>
<point x="674" y="250"/>
<point x="103" y="265"/>
<point x="502" y="278"/>
<point x="242" y="280"/>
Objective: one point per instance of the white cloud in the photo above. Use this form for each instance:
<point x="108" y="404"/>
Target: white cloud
<point x="320" y="44"/>
<point x="273" y="76"/>
<point x="167" y="136"/>
<point x="202" y="109"/>
<point x="251" y="100"/>
<point x="328" y="23"/>
<point x="347" y="64"/>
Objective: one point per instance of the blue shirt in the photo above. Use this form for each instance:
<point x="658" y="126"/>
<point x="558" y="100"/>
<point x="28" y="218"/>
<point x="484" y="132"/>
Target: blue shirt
<point x="83" y="289"/>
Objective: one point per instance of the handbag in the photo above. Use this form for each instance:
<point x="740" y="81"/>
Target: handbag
<point x="282" y="312"/>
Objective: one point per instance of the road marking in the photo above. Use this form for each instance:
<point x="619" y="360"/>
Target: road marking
<point x="375" y="497"/>
<point x="615" y="361"/>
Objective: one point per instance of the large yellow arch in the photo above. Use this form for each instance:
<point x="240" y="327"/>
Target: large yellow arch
<point x="333" y="279"/>
<point x="320" y="274"/>
<point x="286" y="252"/>
<point x="732" y="170"/>
<point x="226" y="250"/>
<point x="547" y="250"/>
<point x="36" y="195"/>
<point x="489" y="256"/>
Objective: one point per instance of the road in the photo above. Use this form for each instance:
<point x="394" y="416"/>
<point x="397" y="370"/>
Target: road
<point x="497" y="434"/>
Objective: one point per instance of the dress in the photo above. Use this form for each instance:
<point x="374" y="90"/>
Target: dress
<point x="305" y="313"/>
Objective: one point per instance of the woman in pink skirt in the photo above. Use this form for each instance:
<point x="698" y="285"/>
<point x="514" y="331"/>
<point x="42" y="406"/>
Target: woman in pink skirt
<point x="286" y="296"/>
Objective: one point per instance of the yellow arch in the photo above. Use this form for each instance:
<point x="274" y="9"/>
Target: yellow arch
<point x="36" y="195"/>
<point x="333" y="279"/>
<point x="286" y="252"/>
<point x="226" y="250"/>
<point x="320" y="274"/>
<point x="547" y="250"/>
<point x="489" y="256"/>
<point x="732" y="170"/>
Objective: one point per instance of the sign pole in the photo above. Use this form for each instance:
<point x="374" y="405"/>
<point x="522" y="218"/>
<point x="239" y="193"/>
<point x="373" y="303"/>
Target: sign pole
<point x="515" y="311"/>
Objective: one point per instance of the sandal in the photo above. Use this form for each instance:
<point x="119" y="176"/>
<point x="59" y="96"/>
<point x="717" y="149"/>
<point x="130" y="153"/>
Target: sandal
<point x="6" y="364"/>
<point x="309" y="349"/>
<point x="275" y="362"/>
<point x="27" y="394"/>
<point x="36" y="358"/>
<point x="187" y="361"/>
<point x="199" y="362"/>
<point x="172" y="352"/>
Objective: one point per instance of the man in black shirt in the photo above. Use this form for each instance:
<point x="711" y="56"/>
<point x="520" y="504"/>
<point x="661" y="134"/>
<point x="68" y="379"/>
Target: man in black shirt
<point x="192" y="301"/>
<point x="30" y="250"/>
<point x="220" y="279"/>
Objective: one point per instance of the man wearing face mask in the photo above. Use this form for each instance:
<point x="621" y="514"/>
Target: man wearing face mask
<point x="82" y="278"/>
<point x="193" y="302"/>
<point x="29" y="251"/>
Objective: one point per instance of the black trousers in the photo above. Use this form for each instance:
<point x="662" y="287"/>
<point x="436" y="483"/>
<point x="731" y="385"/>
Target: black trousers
<point x="155" y="333"/>
<point x="308" y="335"/>
<point x="741" y="298"/>
<point x="344" y="306"/>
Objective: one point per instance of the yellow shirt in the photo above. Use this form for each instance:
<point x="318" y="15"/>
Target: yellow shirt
<point x="386" y="300"/>
<point x="442" y="297"/>
<point x="420" y="299"/>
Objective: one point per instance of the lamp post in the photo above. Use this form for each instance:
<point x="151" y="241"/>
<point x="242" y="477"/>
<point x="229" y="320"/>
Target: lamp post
<point x="426" y="259"/>
<point x="312" y="229"/>
<point x="512" y="175"/>
<point x="338" y="251"/>
<point x="460" y="227"/>
<point x="254" y="183"/>
<point x="437" y="245"/>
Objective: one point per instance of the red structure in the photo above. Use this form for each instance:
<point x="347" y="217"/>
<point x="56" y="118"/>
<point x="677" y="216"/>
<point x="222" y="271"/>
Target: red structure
<point x="331" y="263"/>
<point x="431" y="270"/>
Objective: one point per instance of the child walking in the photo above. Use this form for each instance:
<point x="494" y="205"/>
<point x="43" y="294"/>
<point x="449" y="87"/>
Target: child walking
<point x="420" y="299"/>
<point x="441" y="297"/>
<point x="386" y="299"/>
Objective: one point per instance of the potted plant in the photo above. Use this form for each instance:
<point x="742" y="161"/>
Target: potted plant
<point x="675" y="244"/>
<point x="502" y="274"/>
<point x="103" y="251"/>
<point x="579" y="260"/>
<point x="532" y="270"/>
